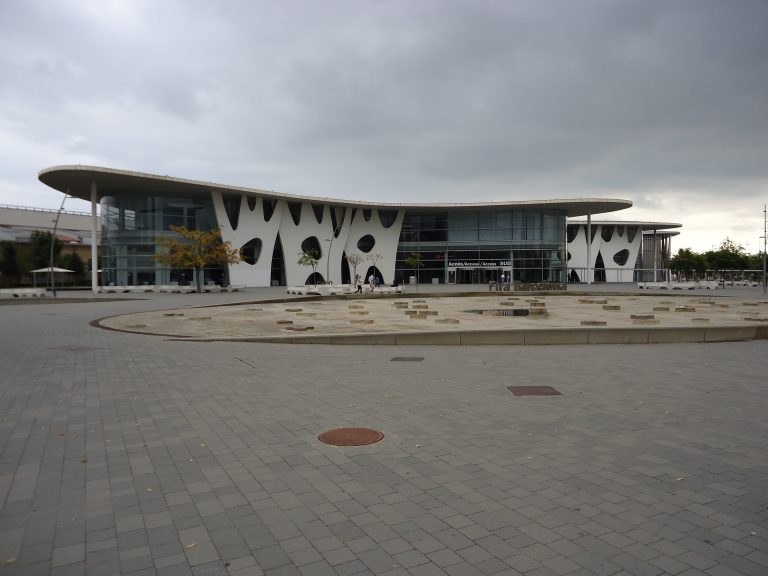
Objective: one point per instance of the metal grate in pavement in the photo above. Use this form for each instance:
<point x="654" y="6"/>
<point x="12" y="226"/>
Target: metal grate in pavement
<point x="75" y="348"/>
<point x="407" y="359"/>
<point x="533" y="391"/>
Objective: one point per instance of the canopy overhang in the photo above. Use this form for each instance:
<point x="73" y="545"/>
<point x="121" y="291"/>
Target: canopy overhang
<point x="77" y="180"/>
<point x="54" y="269"/>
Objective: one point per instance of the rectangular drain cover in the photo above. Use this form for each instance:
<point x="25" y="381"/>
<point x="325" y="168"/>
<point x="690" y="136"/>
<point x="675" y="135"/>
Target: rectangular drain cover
<point x="407" y="359"/>
<point x="75" y="348"/>
<point x="533" y="391"/>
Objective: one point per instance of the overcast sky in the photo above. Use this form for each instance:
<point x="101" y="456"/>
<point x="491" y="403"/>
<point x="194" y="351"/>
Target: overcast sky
<point x="664" y="103"/>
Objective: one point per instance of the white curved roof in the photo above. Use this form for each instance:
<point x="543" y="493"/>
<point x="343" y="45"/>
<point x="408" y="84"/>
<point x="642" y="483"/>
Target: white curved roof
<point x="75" y="180"/>
<point x="644" y="226"/>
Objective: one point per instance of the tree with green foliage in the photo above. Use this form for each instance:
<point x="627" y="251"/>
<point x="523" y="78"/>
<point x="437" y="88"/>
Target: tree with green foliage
<point x="730" y="246"/>
<point x="9" y="265"/>
<point x="755" y="261"/>
<point x="729" y="256"/>
<point x="311" y="259"/>
<point x="414" y="261"/>
<point x="73" y="262"/>
<point x="196" y="249"/>
<point x="40" y="249"/>
<point x="688" y="262"/>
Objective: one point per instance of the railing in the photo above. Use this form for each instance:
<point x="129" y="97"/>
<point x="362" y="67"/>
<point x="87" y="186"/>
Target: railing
<point x="628" y="275"/>
<point x="35" y="209"/>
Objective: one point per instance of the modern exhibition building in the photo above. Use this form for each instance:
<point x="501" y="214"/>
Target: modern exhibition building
<point x="619" y="251"/>
<point x="526" y="241"/>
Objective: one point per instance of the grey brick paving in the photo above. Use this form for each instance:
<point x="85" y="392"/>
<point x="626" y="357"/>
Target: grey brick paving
<point x="130" y="454"/>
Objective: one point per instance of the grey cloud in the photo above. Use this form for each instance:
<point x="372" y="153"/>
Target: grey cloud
<point x="502" y="91"/>
<point x="444" y="100"/>
<point x="172" y="93"/>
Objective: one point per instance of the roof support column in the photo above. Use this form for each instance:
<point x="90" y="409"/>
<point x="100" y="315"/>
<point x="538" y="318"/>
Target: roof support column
<point x="589" y="247"/>
<point x="94" y="237"/>
<point x="655" y="257"/>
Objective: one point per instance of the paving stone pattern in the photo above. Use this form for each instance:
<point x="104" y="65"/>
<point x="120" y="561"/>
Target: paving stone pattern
<point x="130" y="454"/>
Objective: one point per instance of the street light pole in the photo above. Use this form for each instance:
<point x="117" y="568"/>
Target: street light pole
<point x="328" y="258"/>
<point x="334" y="233"/>
<point x="53" y="241"/>
<point x="765" y="238"/>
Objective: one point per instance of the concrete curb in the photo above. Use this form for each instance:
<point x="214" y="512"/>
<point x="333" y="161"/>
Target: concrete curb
<point x="555" y="336"/>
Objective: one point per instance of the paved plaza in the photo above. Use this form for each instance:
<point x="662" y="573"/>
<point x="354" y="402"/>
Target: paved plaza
<point x="125" y="453"/>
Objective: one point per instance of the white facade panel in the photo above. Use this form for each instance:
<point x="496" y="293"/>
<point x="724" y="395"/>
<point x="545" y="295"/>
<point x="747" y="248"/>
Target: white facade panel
<point x="618" y="253"/>
<point x="251" y="224"/>
<point x="386" y="240"/>
<point x="351" y="226"/>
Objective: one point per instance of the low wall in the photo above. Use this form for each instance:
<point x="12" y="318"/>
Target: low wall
<point x="557" y="336"/>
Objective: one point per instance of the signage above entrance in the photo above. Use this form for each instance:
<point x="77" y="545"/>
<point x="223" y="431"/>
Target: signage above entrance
<point x="478" y="263"/>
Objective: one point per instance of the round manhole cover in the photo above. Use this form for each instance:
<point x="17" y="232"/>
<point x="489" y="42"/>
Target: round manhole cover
<point x="350" y="436"/>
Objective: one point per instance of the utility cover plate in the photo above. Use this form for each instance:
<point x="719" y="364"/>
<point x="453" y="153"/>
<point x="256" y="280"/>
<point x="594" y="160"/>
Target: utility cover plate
<point x="533" y="391"/>
<point x="350" y="436"/>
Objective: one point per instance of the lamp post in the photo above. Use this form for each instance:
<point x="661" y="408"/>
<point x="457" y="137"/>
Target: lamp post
<point x="53" y="241"/>
<point x="328" y="259"/>
<point x="764" y="237"/>
<point x="334" y="232"/>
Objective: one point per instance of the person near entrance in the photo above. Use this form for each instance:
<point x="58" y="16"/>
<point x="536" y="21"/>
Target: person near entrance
<point x="359" y="284"/>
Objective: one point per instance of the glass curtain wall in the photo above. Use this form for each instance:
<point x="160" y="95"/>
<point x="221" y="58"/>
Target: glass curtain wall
<point x="477" y="246"/>
<point x="133" y="222"/>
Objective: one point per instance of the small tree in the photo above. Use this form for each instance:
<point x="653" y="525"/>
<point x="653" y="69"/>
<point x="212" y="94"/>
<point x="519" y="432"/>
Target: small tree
<point x="75" y="263"/>
<point x="310" y="258"/>
<point x="414" y="261"/>
<point x="9" y="265"/>
<point x="40" y="248"/>
<point x="196" y="249"/>
<point x="687" y="261"/>
<point x="354" y="259"/>
<point x="375" y="258"/>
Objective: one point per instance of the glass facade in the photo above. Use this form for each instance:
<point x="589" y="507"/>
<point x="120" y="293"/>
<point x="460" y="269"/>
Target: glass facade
<point x="462" y="246"/>
<point x="132" y="223"/>
<point x="480" y="245"/>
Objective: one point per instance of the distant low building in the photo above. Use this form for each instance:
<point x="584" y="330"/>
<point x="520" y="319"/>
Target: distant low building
<point x="19" y="223"/>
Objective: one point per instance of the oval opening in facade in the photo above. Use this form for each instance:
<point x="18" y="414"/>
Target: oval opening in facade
<point x="366" y="243"/>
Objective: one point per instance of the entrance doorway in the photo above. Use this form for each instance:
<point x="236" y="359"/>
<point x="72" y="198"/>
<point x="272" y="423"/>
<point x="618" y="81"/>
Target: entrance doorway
<point x="477" y="275"/>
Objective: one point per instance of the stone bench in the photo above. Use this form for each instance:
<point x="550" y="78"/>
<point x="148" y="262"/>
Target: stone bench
<point x="333" y="289"/>
<point x="125" y="289"/>
<point x="22" y="293"/>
